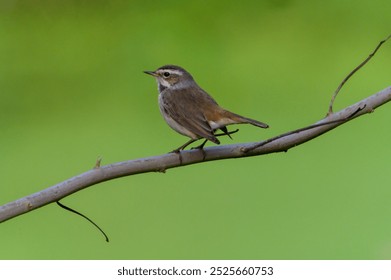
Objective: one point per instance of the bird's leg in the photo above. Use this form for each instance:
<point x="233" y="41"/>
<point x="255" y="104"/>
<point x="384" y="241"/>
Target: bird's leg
<point x="200" y="146"/>
<point x="225" y="132"/>
<point x="184" y="146"/>
<point x="178" y="150"/>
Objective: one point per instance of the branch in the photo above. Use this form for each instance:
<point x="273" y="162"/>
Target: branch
<point x="161" y="163"/>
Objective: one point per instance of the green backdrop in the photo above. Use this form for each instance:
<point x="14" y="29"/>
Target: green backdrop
<point x="72" y="89"/>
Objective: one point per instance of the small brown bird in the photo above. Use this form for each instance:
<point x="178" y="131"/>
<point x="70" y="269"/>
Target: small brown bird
<point x="189" y="110"/>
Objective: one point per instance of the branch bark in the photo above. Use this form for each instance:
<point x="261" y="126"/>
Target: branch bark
<point x="161" y="163"/>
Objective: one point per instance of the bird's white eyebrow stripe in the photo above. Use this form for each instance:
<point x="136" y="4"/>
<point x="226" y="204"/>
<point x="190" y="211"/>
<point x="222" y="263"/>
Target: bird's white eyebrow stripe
<point x="172" y="71"/>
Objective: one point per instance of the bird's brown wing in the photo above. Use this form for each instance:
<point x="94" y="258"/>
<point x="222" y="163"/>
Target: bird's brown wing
<point x="186" y="108"/>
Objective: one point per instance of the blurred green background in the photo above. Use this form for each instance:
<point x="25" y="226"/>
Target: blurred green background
<point x="72" y="89"/>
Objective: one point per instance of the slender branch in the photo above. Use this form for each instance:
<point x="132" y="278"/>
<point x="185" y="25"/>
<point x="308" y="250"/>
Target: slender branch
<point x="353" y="72"/>
<point x="163" y="162"/>
<point x="338" y="121"/>
<point x="85" y="217"/>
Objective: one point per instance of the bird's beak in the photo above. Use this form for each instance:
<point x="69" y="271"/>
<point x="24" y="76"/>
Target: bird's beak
<point x="152" y="73"/>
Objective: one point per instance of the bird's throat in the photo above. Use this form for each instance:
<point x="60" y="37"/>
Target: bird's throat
<point x="161" y="87"/>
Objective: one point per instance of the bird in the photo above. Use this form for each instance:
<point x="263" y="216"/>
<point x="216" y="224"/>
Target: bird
<point x="190" y="110"/>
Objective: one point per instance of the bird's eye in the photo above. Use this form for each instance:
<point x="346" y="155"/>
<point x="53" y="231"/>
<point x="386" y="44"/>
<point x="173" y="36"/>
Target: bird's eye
<point x="166" y="74"/>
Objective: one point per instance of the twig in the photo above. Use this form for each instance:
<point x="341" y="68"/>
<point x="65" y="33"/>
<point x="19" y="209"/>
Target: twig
<point x="84" y="216"/>
<point x="352" y="73"/>
<point x="302" y="129"/>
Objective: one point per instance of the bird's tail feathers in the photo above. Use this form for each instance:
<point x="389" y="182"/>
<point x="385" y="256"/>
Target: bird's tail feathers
<point x="241" y="119"/>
